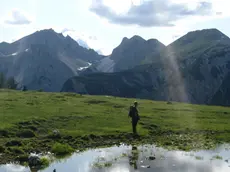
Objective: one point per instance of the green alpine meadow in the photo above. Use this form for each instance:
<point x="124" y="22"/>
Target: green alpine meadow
<point x="62" y="123"/>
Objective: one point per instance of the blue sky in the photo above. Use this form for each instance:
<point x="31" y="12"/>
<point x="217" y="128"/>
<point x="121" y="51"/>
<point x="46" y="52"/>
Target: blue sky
<point x="101" y="24"/>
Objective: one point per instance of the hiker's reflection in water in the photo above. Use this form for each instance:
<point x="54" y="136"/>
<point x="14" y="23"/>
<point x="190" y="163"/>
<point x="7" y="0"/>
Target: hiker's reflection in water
<point x="36" y="170"/>
<point x="33" y="169"/>
<point x="133" y="158"/>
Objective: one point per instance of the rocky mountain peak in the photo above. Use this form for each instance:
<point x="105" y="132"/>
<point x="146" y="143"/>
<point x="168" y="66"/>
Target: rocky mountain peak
<point x="137" y="38"/>
<point x="206" y="36"/>
<point x="125" y="39"/>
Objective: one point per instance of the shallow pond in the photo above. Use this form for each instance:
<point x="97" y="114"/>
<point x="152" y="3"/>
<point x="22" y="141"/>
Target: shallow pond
<point x="145" y="159"/>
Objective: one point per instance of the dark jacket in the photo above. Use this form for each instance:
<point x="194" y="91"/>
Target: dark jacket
<point x="134" y="114"/>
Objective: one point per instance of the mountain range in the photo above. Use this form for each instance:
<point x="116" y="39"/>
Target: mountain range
<point x="130" y="53"/>
<point x="195" y="68"/>
<point x="44" y="60"/>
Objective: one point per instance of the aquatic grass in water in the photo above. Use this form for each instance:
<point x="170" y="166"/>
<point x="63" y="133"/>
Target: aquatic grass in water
<point x="108" y="164"/>
<point x="102" y="164"/>
<point x="217" y="157"/>
<point x="98" y="165"/>
<point x="124" y="155"/>
<point x="199" y="158"/>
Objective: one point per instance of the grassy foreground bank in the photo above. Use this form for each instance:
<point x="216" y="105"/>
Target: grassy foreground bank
<point x="37" y="121"/>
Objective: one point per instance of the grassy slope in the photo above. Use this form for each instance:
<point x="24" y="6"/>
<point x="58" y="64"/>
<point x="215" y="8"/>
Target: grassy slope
<point x="87" y="121"/>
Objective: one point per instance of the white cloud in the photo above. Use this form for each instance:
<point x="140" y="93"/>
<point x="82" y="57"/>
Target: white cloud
<point x="153" y="12"/>
<point x="17" y="17"/>
<point x="222" y="6"/>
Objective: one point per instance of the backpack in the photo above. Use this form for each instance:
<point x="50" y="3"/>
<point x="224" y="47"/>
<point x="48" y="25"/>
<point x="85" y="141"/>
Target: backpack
<point x="131" y="113"/>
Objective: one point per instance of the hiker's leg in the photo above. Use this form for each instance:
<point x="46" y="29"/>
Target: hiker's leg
<point x="135" y="128"/>
<point x="134" y="123"/>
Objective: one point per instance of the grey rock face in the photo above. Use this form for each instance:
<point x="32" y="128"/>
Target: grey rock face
<point x="106" y="65"/>
<point x="44" y="60"/>
<point x="130" y="53"/>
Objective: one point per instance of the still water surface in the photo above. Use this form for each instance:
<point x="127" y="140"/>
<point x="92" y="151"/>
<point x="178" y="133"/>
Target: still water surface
<point x="124" y="159"/>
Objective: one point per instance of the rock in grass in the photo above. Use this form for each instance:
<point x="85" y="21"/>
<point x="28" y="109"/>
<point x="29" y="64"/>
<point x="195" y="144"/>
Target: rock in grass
<point x="55" y="134"/>
<point x="34" y="160"/>
<point x="152" y="158"/>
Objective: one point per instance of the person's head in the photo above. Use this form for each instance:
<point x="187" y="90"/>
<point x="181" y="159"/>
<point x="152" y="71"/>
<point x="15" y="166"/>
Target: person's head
<point x="135" y="104"/>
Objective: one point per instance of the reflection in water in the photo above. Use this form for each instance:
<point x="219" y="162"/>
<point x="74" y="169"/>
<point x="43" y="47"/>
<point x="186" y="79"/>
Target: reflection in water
<point x="133" y="159"/>
<point x="13" y="168"/>
<point x="33" y="170"/>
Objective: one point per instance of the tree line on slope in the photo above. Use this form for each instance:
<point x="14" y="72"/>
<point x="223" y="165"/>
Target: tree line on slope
<point x="9" y="83"/>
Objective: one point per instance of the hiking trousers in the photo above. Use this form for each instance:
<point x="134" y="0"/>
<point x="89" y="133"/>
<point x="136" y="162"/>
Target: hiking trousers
<point x="134" y="125"/>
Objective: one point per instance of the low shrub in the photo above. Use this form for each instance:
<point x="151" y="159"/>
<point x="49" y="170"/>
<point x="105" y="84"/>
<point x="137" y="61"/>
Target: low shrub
<point x="45" y="161"/>
<point x="62" y="149"/>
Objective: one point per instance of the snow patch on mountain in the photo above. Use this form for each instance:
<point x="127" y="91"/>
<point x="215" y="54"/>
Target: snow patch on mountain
<point x="14" y="54"/>
<point x="82" y="68"/>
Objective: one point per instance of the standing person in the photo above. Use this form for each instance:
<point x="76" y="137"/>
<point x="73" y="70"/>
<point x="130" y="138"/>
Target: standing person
<point x="133" y="113"/>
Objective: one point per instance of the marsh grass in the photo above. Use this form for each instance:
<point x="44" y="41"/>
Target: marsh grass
<point x="217" y="157"/>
